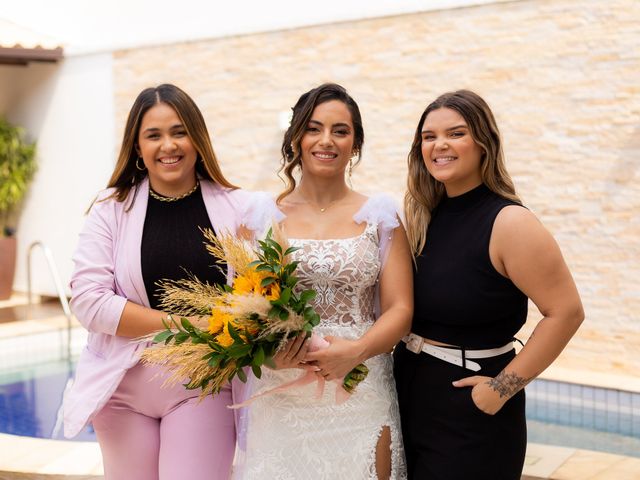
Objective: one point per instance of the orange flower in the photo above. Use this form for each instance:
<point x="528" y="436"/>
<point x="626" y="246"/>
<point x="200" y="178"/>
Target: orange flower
<point x="272" y="292"/>
<point x="217" y="320"/>
<point x="224" y="338"/>
<point x="251" y="282"/>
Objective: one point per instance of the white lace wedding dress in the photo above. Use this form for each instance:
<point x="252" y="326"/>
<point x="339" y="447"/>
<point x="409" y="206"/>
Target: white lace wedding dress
<point x="292" y="435"/>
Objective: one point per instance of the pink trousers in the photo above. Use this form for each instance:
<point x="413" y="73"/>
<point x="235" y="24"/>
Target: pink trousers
<point x="151" y="433"/>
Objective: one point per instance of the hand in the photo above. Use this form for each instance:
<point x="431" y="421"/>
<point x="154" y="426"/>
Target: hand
<point x="338" y="359"/>
<point x="293" y="353"/>
<point x="483" y="394"/>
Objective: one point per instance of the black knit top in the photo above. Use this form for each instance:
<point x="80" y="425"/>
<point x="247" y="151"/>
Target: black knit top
<point x="460" y="298"/>
<point x="172" y="243"/>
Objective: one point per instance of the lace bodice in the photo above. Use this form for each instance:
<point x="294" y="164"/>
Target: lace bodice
<point x="344" y="273"/>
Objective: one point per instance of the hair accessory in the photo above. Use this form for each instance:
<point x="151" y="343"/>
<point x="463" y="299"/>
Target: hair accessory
<point x="162" y="198"/>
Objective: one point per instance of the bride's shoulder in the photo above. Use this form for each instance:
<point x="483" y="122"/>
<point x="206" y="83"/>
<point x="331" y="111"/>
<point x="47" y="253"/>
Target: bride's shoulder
<point x="259" y="210"/>
<point x="380" y="209"/>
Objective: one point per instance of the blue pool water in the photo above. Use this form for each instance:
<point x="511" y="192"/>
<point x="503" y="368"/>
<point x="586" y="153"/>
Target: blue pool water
<point x="558" y="413"/>
<point x="585" y="417"/>
<point x="30" y="401"/>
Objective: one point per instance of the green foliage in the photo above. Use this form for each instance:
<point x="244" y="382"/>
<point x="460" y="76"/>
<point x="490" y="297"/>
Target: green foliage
<point x="17" y="167"/>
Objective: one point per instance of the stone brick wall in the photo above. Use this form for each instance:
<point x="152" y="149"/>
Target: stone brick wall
<point x="562" y="76"/>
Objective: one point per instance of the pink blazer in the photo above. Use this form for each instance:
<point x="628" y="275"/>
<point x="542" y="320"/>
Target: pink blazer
<point x="107" y="273"/>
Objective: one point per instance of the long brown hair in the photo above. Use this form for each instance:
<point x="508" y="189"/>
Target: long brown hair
<point x="125" y="175"/>
<point x="424" y="192"/>
<point x="302" y="111"/>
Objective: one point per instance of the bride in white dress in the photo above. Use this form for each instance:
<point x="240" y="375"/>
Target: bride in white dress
<point x="353" y="252"/>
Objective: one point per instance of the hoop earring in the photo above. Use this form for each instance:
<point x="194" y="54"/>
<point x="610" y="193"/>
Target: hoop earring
<point x="138" y="165"/>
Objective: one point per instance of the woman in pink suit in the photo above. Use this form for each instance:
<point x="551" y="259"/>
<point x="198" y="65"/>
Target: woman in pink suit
<point x="145" y="227"/>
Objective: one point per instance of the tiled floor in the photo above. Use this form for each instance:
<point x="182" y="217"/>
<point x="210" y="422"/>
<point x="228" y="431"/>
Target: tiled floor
<point x="24" y="458"/>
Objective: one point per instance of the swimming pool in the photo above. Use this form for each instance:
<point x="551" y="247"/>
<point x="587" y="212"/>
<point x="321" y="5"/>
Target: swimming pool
<point x="558" y="413"/>
<point x="30" y="401"/>
<point x="580" y="416"/>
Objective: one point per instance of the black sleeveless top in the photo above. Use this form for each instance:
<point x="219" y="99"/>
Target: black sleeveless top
<point x="172" y="243"/>
<point x="460" y="298"/>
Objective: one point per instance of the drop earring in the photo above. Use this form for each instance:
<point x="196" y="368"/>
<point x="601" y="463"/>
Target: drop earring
<point x="349" y="172"/>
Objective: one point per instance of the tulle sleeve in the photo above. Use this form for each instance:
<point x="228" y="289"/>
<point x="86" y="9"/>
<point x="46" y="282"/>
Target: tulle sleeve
<point x="259" y="211"/>
<point x="381" y="210"/>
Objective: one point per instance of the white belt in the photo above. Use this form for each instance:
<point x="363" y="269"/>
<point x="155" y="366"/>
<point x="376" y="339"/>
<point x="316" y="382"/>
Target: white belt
<point x="416" y="344"/>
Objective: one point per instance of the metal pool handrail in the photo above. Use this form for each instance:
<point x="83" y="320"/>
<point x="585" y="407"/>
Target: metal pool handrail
<point x="53" y="270"/>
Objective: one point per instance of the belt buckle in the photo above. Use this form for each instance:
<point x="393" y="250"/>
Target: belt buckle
<point x="415" y="342"/>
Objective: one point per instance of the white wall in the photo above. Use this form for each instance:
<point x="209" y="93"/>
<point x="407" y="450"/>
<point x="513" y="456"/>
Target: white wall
<point x="68" y="109"/>
<point x="105" y="25"/>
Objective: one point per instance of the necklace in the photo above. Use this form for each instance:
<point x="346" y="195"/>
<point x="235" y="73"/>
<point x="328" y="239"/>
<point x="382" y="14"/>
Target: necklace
<point x="323" y="209"/>
<point x="162" y="198"/>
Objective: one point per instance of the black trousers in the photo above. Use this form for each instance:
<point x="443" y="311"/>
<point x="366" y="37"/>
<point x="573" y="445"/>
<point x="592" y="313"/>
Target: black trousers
<point x="446" y="437"/>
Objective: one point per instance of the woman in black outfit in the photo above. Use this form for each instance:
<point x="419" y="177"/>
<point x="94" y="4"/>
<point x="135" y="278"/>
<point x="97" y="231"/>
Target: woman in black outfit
<point x="479" y="257"/>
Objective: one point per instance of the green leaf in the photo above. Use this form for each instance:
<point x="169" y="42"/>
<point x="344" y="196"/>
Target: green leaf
<point x="267" y="281"/>
<point x="285" y="295"/>
<point x="242" y="376"/>
<point x="308" y="313"/>
<point x="214" y="361"/>
<point x="284" y="314"/>
<point x="186" y="324"/>
<point x="290" y="250"/>
<point x="238" y="350"/>
<point x="234" y="333"/>
<point x="257" y="371"/>
<point x="307" y="295"/>
<point x="181" y="337"/>
<point x="258" y="356"/>
<point x="276" y="246"/>
<point x="270" y="253"/>
<point x="162" y="336"/>
<point x="268" y="361"/>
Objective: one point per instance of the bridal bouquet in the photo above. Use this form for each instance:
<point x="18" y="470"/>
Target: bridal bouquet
<point x="248" y="322"/>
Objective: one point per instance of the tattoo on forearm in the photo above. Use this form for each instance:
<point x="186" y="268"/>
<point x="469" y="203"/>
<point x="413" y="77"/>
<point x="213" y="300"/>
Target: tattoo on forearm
<point x="508" y="384"/>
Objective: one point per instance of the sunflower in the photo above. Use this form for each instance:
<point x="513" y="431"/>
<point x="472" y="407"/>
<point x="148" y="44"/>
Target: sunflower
<point x="251" y="282"/>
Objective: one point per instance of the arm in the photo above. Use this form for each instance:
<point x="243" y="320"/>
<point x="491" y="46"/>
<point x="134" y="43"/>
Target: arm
<point x="396" y="302"/>
<point x="93" y="286"/>
<point x="524" y="251"/>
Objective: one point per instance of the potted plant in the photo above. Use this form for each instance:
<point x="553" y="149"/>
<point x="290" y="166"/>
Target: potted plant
<point x="17" y="167"/>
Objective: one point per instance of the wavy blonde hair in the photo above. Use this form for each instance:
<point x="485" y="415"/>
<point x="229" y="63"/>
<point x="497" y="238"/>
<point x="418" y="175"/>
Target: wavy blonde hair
<point x="424" y="192"/>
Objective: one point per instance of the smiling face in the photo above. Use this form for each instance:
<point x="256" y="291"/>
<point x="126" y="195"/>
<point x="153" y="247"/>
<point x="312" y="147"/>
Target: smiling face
<point x="327" y="143"/>
<point x="450" y="153"/>
<point x="167" y="151"/>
